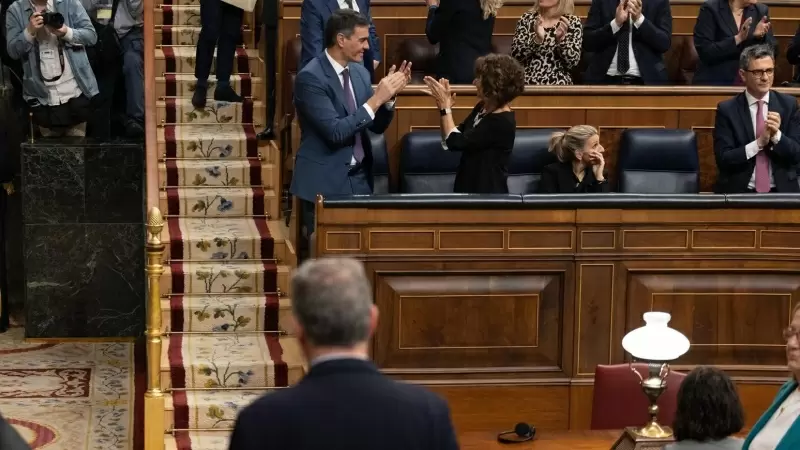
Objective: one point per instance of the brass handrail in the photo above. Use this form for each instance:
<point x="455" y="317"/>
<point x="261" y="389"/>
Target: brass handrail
<point x="154" y="397"/>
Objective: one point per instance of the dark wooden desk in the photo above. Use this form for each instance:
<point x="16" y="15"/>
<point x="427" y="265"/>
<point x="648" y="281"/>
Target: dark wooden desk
<point x="545" y="440"/>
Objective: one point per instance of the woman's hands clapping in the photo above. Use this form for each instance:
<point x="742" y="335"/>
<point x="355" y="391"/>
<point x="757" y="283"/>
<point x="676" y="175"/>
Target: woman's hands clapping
<point x="440" y="91"/>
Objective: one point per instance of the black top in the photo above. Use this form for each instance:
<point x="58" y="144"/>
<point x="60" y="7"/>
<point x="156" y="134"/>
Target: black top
<point x="558" y="178"/>
<point x="485" y="149"/>
<point x="346" y="404"/>
<point x="463" y="35"/>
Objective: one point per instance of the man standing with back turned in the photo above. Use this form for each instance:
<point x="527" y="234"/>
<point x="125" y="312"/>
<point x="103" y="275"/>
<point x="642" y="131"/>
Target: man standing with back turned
<point x="344" y="403"/>
<point x="335" y="105"/>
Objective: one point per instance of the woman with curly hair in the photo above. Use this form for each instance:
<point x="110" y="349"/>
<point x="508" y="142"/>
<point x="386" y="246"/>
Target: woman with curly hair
<point x="708" y="412"/>
<point x="485" y="138"/>
<point x="463" y="29"/>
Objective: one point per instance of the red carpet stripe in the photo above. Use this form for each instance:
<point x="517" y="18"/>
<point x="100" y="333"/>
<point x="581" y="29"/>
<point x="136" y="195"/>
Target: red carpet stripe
<point x="173" y="203"/>
<point x="258" y="201"/>
<point x="172" y="111"/>
<point x="251" y="141"/>
<point x="167" y="14"/>
<point x="247" y="85"/>
<point x="175" y="238"/>
<point x="171" y="141"/>
<point x="243" y="62"/>
<point x="176" y="312"/>
<point x="172" y="172"/>
<point x="270" y="276"/>
<point x="247" y="111"/>
<point x="276" y="352"/>
<point x="169" y="60"/>
<point x="171" y="85"/>
<point x="267" y="241"/>
<point x="271" y="312"/>
<point x="255" y="172"/>
<point x="166" y="30"/>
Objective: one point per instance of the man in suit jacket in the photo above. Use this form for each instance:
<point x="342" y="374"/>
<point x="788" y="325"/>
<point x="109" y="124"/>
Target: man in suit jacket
<point x="757" y="133"/>
<point x="627" y="39"/>
<point x="344" y="402"/>
<point x="313" y="16"/>
<point x="335" y="157"/>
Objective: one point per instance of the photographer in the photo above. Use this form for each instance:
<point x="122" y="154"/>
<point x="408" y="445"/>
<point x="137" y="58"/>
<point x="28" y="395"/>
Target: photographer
<point x="50" y="37"/>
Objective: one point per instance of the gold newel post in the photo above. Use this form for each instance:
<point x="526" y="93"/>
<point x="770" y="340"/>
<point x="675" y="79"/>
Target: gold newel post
<point x="154" y="397"/>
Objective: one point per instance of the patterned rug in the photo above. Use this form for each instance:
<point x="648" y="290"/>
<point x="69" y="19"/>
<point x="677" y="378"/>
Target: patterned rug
<point x="73" y="396"/>
<point x="225" y="292"/>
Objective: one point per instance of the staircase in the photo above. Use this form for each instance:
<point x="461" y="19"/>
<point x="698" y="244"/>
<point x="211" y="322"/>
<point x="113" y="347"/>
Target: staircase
<point x="225" y="291"/>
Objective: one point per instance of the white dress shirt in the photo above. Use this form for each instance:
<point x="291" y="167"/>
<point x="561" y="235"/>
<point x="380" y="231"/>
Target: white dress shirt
<point x="780" y="422"/>
<point x="751" y="149"/>
<point x="633" y="66"/>
<point x="65" y="88"/>
<point x="343" y="5"/>
<point x="339" y="69"/>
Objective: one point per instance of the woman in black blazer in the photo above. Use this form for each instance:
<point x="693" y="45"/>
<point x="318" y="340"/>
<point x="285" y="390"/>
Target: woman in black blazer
<point x="463" y="29"/>
<point x="580" y="168"/>
<point x="723" y="29"/>
<point x="485" y="138"/>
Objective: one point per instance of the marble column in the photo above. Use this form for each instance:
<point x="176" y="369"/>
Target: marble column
<point x="83" y="206"/>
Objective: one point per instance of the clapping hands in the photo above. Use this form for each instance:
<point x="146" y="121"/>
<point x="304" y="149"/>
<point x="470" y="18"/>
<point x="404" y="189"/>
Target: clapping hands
<point x="394" y="81"/>
<point x="440" y="91"/>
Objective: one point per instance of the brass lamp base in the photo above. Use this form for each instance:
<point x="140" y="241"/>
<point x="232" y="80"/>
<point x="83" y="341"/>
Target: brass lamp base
<point x="634" y="438"/>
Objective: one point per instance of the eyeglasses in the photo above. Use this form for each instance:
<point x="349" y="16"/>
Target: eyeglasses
<point x="760" y="73"/>
<point x="791" y="332"/>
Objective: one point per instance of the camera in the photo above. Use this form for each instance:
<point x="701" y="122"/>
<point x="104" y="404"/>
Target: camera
<point x="53" y="19"/>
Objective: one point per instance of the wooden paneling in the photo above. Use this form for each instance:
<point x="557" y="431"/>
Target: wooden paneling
<point x="510" y="335"/>
<point x="608" y="109"/>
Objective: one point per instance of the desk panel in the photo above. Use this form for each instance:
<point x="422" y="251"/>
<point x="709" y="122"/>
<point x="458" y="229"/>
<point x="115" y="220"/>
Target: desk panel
<point x="485" y="319"/>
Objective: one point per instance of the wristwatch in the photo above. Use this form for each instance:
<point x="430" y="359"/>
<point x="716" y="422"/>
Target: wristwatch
<point x="445" y="111"/>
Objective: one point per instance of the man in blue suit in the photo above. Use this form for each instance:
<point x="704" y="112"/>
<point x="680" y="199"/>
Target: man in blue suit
<point x="335" y="105"/>
<point x="314" y="15"/>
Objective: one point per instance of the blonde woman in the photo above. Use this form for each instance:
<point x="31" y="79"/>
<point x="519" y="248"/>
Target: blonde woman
<point x="547" y="42"/>
<point x="580" y="168"/>
<point x="463" y="29"/>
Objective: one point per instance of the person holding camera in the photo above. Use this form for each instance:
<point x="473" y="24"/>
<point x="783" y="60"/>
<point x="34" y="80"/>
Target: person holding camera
<point x="50" y="37"/>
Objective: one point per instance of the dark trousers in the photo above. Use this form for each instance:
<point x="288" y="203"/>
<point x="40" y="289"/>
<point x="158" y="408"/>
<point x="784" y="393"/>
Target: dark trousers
<point x="359" y="185"/>
<point x="4" y="303"/>
<point x="132" y="72"/>
<point x="624" y="80"/>
<point x="221" y="29"/>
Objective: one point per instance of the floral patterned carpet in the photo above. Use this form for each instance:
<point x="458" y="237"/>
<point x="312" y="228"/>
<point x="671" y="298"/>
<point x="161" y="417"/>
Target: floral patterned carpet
<point x="72" y="396"/>
<point x="225" y="292"/>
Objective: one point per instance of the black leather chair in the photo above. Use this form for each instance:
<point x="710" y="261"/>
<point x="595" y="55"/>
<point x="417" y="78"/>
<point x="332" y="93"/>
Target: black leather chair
<point x="380" y="163"/>
<point x="425" y="167"/>
<point x="528" y="158"/>
<point x="658" y="161"/>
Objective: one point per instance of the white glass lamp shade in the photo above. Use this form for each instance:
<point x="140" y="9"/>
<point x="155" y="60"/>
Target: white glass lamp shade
<point x="656" y="341"/>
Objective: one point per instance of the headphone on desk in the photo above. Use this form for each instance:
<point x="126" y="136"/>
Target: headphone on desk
<point x="522" y="432"/>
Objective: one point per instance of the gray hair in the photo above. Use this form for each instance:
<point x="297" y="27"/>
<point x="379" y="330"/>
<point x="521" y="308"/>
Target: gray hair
<point x="332" y="301"/>
<point x="755" y="52"/>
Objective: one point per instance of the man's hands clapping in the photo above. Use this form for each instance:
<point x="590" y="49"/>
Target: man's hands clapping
<point x="635" y="9"/>
<point x="394" y="81"/>
<point x="773" y="125"/>
<point x="622" y="13"/>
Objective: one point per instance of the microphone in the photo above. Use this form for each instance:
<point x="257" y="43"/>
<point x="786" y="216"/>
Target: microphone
<point x="522" y="432"/>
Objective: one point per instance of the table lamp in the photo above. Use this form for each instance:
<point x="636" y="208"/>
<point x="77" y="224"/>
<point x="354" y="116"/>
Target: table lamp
<point x="655" y="344"/>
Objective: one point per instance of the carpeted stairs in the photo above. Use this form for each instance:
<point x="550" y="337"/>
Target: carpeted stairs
<point x="226" y="298"/>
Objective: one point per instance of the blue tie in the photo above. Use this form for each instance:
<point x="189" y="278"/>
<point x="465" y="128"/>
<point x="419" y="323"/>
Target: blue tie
<point x="358" y="149"/>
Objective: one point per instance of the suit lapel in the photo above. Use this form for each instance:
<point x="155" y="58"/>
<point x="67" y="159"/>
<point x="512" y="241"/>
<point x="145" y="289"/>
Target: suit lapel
<point x="727" y="16"/>
<point x="774" y="105"/>
<point x="333" y="79"/>
<point x="746" y="119"/>
<point x="333" y="5"/>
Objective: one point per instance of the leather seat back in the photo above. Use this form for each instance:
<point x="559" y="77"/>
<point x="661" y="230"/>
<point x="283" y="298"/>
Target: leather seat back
<point x="418" y="51"/>
<point x="291" y="63"/>
<point x="527" y="159"/>
<point x="658" y="161"/>
<point x="425" y="167"/>
<point x="380" y="163"/>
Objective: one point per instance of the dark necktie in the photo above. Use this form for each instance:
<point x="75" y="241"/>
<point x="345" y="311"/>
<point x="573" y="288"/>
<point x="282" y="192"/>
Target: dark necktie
<point x="623" y="45"/>
<point x="358" y="149"/>
<point x="349" y="3"/>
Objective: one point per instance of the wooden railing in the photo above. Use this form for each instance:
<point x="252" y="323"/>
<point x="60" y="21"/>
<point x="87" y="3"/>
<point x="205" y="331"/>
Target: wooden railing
<point x="154" y="397"/>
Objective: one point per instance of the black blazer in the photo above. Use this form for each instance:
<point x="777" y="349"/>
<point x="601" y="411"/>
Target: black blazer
<point x="714" y="40"/>
<point x="650" y="41"/>
<point x="485" y="150"/>
<point x="733" y="130"/>
<point x="346" y="404"/>
<point x="558" y="178"/>
<point x="463" y="36"/>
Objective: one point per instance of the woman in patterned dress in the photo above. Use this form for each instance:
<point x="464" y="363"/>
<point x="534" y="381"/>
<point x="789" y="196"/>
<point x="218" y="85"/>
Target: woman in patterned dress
<point x="547" y="42"/>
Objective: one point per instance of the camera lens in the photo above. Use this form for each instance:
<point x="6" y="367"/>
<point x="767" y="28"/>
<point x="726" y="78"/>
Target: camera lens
<point x="54" y="19"/>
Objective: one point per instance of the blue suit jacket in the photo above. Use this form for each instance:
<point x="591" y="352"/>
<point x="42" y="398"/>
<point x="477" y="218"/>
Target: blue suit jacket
<point x="314" y="15"/>
<point x="791" y="440"/>
<point x="328" y="130"/>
